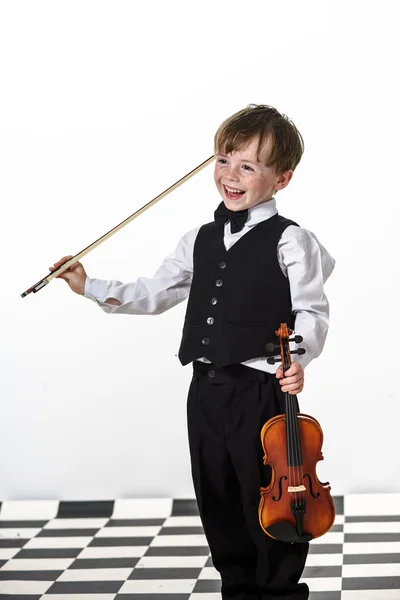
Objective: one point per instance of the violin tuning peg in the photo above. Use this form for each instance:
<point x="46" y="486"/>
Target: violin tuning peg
<point x="271" y="360"/>
<point x="297" y="339"/>
<point x="298" y="351"/>
<point x="272" y="348"/>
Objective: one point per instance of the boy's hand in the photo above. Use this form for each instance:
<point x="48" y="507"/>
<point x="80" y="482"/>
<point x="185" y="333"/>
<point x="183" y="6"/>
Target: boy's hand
<point x="293" y="381"/>
<point x="75" y="275"/>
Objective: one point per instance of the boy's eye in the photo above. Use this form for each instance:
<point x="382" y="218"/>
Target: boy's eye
<point x="223" y="161"/>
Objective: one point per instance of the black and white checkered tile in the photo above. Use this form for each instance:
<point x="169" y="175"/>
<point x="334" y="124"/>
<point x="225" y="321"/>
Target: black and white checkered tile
<point x="156" y="550"/>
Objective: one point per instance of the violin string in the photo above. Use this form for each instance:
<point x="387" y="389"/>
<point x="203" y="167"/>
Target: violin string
<point x="289" y="441"/>
<point x="289" y="429"/>
<point x="296" y="443"/>
<point x="300" y="457"/>
<point x="293" y="443"/>
<point x="298" y="467"/>
<point x="295" y="466"/>
<point x="300" y="461"/>
<point x="295" y="459"/>
<point x="297" y="451"/>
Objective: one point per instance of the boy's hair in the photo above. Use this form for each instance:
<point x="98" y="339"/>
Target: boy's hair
<point x="262" y="121"/>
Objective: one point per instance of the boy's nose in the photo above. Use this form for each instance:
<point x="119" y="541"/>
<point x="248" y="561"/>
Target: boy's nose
<point x="233" y="174"/>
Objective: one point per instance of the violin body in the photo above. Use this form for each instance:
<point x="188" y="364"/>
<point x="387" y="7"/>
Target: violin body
<point x="296" y="506"/>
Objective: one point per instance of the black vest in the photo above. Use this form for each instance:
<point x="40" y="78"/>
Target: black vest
<point x="238" y="297"/>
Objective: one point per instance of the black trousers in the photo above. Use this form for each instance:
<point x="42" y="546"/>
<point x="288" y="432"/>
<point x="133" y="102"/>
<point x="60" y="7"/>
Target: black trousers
<point x="227" y="408"/>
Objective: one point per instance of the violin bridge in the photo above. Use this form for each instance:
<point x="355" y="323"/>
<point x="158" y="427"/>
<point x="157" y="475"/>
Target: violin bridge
<point x="298" y="488"/>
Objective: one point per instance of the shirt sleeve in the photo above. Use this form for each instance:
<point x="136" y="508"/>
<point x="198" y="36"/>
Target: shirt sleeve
<point x="308" y="265"/>
<point x="169" y="286"/>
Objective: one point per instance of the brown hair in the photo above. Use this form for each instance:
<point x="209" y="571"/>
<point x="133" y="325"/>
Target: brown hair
<point x="262" y="121"/>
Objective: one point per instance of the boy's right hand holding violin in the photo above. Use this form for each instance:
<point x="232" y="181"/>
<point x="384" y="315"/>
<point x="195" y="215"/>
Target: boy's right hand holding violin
<point x="75" y="275"/>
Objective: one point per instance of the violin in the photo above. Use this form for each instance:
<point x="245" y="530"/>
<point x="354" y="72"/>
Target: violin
<point x="296" y="506"/>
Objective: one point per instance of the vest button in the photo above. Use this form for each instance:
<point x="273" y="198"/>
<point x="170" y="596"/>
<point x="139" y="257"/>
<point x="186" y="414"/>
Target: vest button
<point x="219" y="282"/>
<point x="210" y="321"/>
<point x="214" y="301"/>
<point x="211" y="373"/>
<point x="223" y="264"/>
<point x="205" y="341"/>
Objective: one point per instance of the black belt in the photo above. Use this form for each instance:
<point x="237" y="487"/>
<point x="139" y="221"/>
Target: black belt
<point x="229" y="374"/>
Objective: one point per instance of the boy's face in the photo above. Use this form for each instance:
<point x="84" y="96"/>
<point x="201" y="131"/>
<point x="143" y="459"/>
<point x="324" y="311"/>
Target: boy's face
<point x="244" y="182"/>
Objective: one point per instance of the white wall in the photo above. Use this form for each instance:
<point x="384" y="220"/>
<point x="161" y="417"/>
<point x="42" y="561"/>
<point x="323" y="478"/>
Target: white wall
<point x="105" y="104"/>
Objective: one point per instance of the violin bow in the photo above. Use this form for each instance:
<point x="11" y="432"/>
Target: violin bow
<point x="43" y="282"/>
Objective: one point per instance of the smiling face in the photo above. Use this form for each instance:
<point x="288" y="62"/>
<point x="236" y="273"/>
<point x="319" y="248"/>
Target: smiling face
<point x="243" y="181"/>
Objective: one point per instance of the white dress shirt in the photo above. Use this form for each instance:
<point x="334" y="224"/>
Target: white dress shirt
<point x="302" y="258"/>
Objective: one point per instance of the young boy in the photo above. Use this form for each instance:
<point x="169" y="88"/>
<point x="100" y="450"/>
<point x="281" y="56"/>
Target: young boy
<point x="245" y="273"/>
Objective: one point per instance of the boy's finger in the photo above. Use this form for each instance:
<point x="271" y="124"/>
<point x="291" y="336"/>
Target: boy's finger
<point x="71" y="268"/>
<point x="293" y="389"/>
<point x="291" y="381"/>
<point x="294" y="369"/>
<point x="67" y="276"/>
<point x="62" y="260"/>
<point x="57" y="276"/>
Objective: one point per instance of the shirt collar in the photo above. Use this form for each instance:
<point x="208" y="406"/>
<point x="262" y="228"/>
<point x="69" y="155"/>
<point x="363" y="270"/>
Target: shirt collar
<point x="261" y="212"/>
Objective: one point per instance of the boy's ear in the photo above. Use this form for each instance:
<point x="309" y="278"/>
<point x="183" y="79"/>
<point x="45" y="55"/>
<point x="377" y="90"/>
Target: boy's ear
<point x="283" y="180"/>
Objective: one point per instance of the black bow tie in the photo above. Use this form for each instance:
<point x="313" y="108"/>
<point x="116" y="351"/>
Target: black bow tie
<point x="237" y="218"/>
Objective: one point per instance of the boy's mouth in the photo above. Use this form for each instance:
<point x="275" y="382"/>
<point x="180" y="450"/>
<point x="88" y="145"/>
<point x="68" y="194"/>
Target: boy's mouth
<point x="233" y="193"/>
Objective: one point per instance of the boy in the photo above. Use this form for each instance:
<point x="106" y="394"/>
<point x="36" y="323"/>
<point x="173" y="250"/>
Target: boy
<point x="244" y="273"/>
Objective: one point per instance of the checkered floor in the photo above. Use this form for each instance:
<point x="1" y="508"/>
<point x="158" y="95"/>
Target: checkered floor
<point x="147" y="549"/>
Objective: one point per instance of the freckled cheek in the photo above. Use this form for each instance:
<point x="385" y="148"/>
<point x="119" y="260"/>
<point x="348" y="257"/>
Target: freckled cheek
<point x="217" y="176"/>
<point x="257" y="187"/>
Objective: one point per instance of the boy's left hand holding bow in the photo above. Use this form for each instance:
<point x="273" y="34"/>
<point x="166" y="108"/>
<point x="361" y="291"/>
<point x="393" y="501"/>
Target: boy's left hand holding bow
<point x="293" y="381"/>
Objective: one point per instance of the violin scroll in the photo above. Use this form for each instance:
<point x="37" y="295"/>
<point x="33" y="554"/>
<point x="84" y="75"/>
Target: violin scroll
<point x="283" y="333"/>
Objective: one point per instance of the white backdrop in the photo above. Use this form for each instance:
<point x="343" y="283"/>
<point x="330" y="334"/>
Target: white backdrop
<point x="105" y="104"/>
